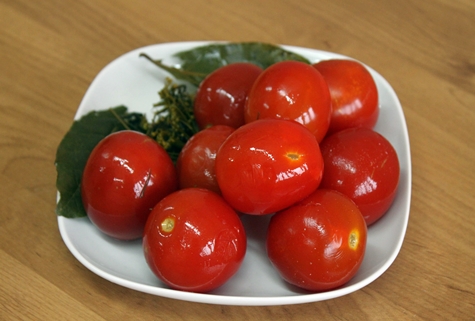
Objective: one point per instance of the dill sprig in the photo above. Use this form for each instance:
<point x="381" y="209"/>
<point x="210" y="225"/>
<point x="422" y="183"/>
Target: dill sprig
<point x="173" y="121"/>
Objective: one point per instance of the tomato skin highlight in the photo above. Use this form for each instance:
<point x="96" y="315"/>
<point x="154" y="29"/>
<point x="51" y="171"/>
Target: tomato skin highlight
<point x="319" y="243"/>
<point x="363" y="165"/>
<point x="353" y="92"/>
<point x="126" y="174"/>
<point x="196" y="161"/>
<point x="267" y="165"/>
<point x="221" y="96"/>
<point x="291" y="90"/>
<point x="194" y="241"/>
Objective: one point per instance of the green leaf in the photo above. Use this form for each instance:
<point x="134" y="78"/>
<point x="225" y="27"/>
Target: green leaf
<point x="191" y="77"/>
<point x="198" y="62"/>
<point x="75" y="148"/>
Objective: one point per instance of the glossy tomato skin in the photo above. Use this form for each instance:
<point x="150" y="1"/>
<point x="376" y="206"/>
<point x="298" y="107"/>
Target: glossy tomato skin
<point x="291" y="90"/>
<point x="318" y="244"/>
<point x="267" y="165"/>
<point x="126" y="174"/>
<point x="196" y="161"/>
<point x="194" y="241"/>
<point x="221" y="96"/>
<point x="353" y="92"/>
<point x="362" y="164"/>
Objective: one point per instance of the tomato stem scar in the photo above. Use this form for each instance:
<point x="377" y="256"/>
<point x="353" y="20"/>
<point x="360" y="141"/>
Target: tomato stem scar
<point x="353" y="240"/>
<point x="168" y="224"/>
<point x="293" y="156"/>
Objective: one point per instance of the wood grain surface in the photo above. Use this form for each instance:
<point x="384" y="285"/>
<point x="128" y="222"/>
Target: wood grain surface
<point x="51" y="50"/>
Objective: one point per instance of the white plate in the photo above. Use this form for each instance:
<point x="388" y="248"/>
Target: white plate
<point x="135" y="82"/>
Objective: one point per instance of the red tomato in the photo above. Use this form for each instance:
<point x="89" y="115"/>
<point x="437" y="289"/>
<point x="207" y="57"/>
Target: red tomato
<point x="363" y="165"/>
<point x="353" y="92"/>
<point x="221" y="96"/>
<point x="194" y="241"/>
<point x="196" y="162"/>
<point x="319" y="243"/>
<point x="126" y="174"/>
<point x="267" y="165"/>
<point x="291" y="90"/>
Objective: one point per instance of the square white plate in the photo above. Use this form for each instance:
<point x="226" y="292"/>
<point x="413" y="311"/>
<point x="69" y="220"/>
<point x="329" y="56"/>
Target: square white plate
<point x="134" y="82"/>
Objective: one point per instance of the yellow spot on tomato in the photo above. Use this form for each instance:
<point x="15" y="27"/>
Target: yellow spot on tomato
<point x="353" y="239"/>
<point x="293" y="156"/>
<point x="168" y="224"/>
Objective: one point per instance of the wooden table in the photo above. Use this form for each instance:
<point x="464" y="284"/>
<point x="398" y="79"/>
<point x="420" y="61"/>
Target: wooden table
<point x="51" y="50"/>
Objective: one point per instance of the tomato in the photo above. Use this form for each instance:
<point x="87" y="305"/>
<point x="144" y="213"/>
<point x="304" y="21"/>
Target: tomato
<point x="291" y="90"/>
<point x="194" y="241"/>
<point x="319" y="243"/>
<point x="126" y="174"/>
<point x="221" y="95"/>
<point x="196" y="161"/>
<point x="353" y="92"/>
<point x="363" y="165"/>
<point x="267" y="165"/>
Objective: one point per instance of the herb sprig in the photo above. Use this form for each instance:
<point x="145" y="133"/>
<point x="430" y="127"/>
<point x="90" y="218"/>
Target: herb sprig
<point x="173" y="122"/>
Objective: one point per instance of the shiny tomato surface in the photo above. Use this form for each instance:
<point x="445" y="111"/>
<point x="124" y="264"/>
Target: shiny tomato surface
<point x="353" y="92"/>
<point x="318" y="244"/>
<point x="221" y="96"/>
<point x="126" y="174"/>
<point x="194" y="241"/>
<point x="291" y="90"/>
<point x="363" y="165"/>
<point x="267" y="165"/>
<point x="196" y="161"/>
